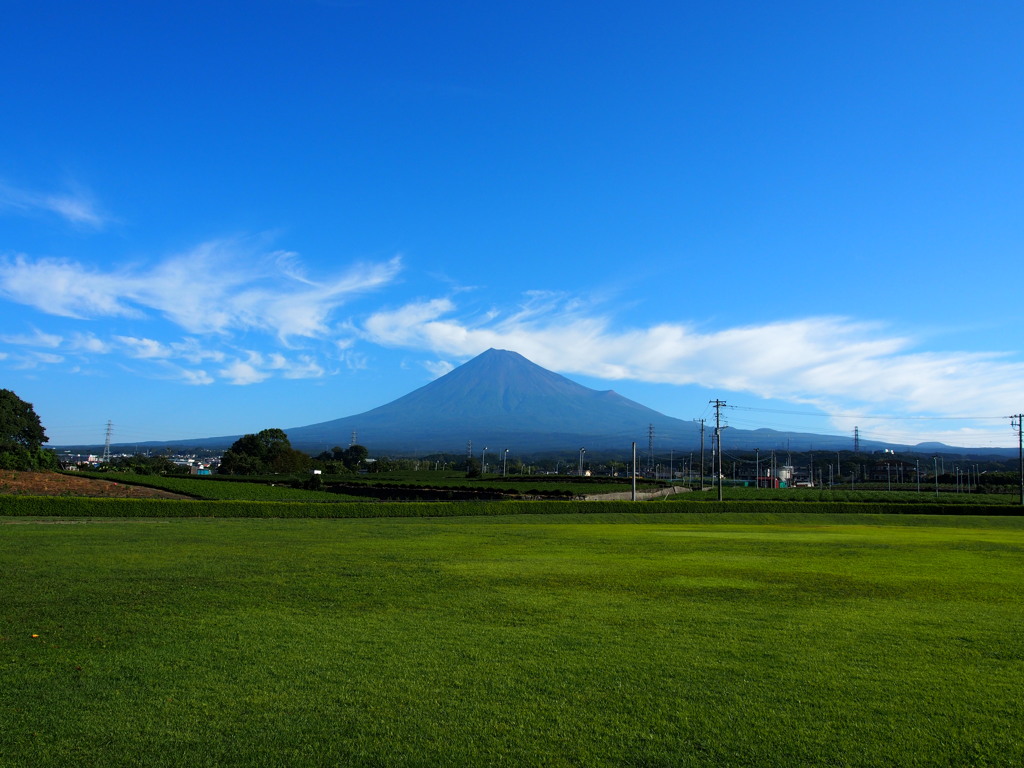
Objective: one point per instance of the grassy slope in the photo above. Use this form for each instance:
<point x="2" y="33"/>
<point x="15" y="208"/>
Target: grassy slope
<point x="566" y="640"/>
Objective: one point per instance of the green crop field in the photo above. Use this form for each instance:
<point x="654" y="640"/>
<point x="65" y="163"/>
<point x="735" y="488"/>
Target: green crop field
<point x="210" y="489"/>
<point x="700" y="639"/>
<point x="280" y="488"/>
<point x="907" y="495"/>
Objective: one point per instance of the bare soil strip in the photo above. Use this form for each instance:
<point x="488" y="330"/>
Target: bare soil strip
<point x="55" y="484"/>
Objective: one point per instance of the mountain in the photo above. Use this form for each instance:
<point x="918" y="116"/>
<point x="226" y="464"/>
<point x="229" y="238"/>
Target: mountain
<point x="499" y="400"/>
<point x="502" y="400"/>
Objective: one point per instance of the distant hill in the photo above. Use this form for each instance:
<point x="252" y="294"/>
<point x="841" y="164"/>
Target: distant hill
<point x="499" y="400"/>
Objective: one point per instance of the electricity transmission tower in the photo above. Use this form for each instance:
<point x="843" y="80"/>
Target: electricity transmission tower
<point x="106" y="445"/>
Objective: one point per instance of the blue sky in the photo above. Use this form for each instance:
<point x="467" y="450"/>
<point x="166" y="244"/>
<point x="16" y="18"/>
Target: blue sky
<point x="221" y="217"/>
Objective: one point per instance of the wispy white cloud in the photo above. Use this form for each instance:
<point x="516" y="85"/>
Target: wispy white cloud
<point x="195" y="377"/>
<point x="354" y="361"/>
<point x="818" y="360"/>
<point x="218" y="287"/>
<point x="241" y="372"/>
<point x="36" y="339"/>
<point x="165" y="369"/>
<point x="35" y="359"/>
<point x="256" y="367"/>
<point x="438" y="368"/>
<point x="88" y="342"/>
<point x="65" y="288"/>
<point x="75" y="206"/>
<point x="175" y="360"/>
<point x="144" y="348"/>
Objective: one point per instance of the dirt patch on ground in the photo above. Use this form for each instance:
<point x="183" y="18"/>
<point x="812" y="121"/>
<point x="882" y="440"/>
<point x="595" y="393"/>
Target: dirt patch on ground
<point x="54" y="484"/>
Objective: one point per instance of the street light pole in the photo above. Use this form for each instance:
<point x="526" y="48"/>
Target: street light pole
<point x="582" y="451"/>
<point x="504" y="462"/>
<point x="483" y="461"/>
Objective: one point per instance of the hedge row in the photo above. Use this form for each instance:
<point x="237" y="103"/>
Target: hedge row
<point x="43" y="506"/>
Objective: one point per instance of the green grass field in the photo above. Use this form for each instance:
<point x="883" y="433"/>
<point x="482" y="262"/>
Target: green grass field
<point x="633" y="639"/>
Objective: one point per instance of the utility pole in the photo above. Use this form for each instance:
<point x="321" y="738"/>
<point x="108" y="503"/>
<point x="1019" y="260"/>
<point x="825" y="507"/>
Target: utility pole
<point x="701" y="452"/>
<point x="1018" y="423"/>
<point x="633" y="494"/>
<point x="718" y="439"/>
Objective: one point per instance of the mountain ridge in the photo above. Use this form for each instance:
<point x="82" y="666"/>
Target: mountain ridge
<point x="503" y="400"/>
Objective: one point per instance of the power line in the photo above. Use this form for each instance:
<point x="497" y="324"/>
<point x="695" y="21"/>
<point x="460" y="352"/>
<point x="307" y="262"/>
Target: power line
<point x="826" y="414"/>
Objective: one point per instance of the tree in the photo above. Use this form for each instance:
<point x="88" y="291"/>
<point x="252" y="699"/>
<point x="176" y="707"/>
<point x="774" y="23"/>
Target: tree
<point x="22" y="436"/>
<point x="265" y="452"/>
<point x="354" y="456"/>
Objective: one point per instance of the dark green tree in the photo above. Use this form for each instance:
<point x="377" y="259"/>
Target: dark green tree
<point x="265" y="452"/>
<point x="22" y="436"/>
<point x="354" y="456"/>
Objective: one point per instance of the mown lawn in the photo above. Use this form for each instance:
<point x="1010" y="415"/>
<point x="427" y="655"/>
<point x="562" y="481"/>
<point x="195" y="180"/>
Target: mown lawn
<point x="664" y="639"/>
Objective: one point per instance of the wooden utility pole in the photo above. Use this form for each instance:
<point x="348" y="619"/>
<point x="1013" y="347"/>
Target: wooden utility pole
<point x="701" y="452"/>
<point x="1018" y="423"/>
<point x="632" y="496"/>
<point x="718" y="441"/>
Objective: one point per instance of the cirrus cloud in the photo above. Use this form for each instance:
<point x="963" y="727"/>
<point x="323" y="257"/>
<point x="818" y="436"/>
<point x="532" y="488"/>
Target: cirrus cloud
<point x="76" y="206"/>
<point x="221" y="286"/>
<point x="820" y="361"/>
